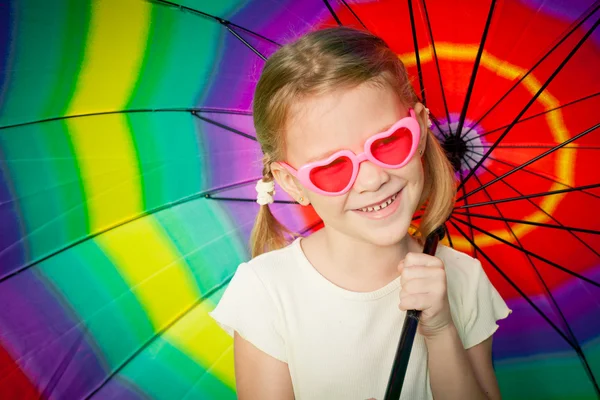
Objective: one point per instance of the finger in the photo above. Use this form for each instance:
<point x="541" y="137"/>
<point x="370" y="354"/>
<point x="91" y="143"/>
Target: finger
<point x="413" y="259"/>
<point x="419" y="302"/>
<point x="420" y="286"/>
<point x="420" y="272"/>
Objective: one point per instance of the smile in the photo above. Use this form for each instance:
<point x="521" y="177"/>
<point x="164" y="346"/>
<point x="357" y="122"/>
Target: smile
<point x="379" y="206"/>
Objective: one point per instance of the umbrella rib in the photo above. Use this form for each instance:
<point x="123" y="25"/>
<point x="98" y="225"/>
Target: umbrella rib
<point x="223" y="126"/>
<point x="437" y="124"/>
<point x="575" y="344"/>
<point x="213" y="17"/>
<point x="245" y="200"/>
<point x="353" y="13"/>
<point x="531" y="196"/>
<point x="546" y="213"/>
<point x="582" y="188"/>
<point x="566" y="325"/>
<point x="148" y="342"/>
<point x="533" y="99"/>
<point x="552" y="263"/>
<point x="463" y="113"/>
<point x="534" y="146"/>
<point x="332" y="12"/>
<point x="133" y="111"/>
<point x="448" y="234"/>
<point x="535" y="116"/>
<point x="416" y="47"/>
<point x="187" y="199"/>
<point x="468" y="217"/>
<point x="514" y="285"/>
<point x="437" y="66"/>
<point x="552" y="150"/>
<point x="569" y="33"/>
<point x="519" y="221"/>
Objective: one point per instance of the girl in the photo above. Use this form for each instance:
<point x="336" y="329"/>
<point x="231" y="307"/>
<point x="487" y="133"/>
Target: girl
<point x="319" y="318"/>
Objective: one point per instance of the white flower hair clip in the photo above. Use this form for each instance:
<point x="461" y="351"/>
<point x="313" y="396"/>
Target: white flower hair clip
<point x="265" y="192"/>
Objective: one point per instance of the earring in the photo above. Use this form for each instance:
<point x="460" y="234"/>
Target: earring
<point x="421" y="152"/>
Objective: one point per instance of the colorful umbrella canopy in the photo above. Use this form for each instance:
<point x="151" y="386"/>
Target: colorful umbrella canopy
<point x="128" y="158"/>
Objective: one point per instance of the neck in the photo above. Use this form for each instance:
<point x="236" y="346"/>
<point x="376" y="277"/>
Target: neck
<point x="366" y="262"/>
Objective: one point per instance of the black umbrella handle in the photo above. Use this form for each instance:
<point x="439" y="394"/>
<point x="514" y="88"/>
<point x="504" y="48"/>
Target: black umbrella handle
<point x="409" y="329"/>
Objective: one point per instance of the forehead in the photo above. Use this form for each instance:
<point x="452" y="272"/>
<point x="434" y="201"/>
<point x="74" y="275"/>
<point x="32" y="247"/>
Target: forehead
<point x="343" y="119"/>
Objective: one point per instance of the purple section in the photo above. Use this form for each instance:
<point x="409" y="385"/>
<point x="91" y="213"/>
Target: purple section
<point x="43" y="336"/>
<point x="524" y="332"/>
<point x="12" y="253"/>
<point x="239" y="67"/>
<point x="566" y="10"/>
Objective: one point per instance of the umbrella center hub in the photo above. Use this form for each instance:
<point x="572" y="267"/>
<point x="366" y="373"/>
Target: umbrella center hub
<point x="456" y="148"/>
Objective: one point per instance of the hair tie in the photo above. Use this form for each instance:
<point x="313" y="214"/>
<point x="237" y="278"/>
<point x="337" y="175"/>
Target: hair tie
<point x="265" y="191"/>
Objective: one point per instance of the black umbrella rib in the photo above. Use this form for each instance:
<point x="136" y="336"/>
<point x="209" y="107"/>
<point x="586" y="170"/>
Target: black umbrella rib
<point x="332" y="12"/>
<point x="533" y="99"/>
<point x="511" y="283"/>
<point x="552" y="263"/>
<point x="469" y="218"/>
<point x="155" y="210"/>
<point x="437" y="66"/>
<point x="531" y="196"/>
<point x="133" y="111"/>
<point x="158" y="334"/>
<point x="552" y="150"/>
<point x="557" y="308"/>
<point x="463" y="113"/>
<point x="353" y="13"/>
<point x="575" y="345"/>
<point x="533" y="146"/>
<point x="520" y="221"/>
<point x="245" y="200"/>
<point x="583" y="242"/>
<point x="582" y="189"/>
<point x="416" y="46"/>
<point x="535" y="116"/>
<point x="569" y="33"/>
<point x="213" y="17"/>
<point x="223" y="126"/>
<point x="448" y="235"/>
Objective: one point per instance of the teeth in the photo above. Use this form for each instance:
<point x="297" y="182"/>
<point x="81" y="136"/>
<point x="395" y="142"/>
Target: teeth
<point x="380" y="206"/>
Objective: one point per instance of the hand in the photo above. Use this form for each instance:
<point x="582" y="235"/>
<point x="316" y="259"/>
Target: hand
<point x="423" y="280"/>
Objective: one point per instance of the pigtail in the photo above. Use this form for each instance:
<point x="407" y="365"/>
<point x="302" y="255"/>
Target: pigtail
<point x="268" y="233"/>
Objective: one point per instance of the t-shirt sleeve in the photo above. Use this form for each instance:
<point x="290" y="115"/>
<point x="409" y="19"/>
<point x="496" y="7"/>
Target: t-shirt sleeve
<point x="247" y="307"/>
<point x="480" y="306"/>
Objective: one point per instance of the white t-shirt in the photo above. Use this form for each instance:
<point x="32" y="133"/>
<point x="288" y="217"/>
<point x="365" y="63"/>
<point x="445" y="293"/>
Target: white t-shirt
<point x="340" y="344"/>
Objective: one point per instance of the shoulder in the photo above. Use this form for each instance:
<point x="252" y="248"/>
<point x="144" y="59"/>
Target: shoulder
<point x="461" y="268"/>
<point x="275" y="266"/>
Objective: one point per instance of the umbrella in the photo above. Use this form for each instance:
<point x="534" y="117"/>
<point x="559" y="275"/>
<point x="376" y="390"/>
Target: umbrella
<point x="128" y="159"/>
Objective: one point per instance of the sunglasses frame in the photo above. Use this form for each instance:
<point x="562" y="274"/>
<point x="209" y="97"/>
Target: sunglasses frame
<point x="303" y="173"/>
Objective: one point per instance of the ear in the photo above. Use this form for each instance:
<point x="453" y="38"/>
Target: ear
<point x="289" y="183"/>
<point x="423" y="117"/>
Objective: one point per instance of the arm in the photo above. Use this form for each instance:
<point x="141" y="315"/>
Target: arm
<point x="456" y="373"/>
<point x="258" y="375"/>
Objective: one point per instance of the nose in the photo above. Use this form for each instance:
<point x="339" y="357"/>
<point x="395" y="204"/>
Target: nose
<point x="370" y="177"/>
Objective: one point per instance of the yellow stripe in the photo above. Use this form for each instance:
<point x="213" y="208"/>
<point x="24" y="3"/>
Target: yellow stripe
<point x="467" y="53"/>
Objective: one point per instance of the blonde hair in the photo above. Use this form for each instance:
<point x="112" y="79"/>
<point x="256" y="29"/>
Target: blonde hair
<point x="320" y="62"/>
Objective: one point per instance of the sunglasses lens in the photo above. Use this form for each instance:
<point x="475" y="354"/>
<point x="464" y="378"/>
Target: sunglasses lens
<point x="393" y="149"/>
<point x="334" y="176"/>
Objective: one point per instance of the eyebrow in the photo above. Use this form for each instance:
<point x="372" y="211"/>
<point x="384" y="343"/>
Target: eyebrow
<point x="331" y="152"/>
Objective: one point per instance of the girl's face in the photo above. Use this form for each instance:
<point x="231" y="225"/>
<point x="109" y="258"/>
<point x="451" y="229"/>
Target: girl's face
<point x="322" y="125"/>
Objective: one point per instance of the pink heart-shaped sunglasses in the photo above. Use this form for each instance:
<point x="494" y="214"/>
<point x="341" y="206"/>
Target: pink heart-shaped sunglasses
<point x="336" y="174"/>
